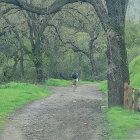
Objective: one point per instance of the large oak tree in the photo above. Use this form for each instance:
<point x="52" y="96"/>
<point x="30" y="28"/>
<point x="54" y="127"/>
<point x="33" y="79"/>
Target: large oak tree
<point x="112" y="17"/>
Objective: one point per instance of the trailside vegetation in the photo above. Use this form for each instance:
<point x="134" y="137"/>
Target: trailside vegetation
<point x="15" y="95"/>
<point x="122" y="122"/>
<point x="62" y="82"/>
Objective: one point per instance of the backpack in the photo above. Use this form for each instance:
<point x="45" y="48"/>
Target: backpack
<point x="74" y="75"/>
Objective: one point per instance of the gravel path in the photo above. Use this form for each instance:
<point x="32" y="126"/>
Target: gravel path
<point x="65" y="115"/>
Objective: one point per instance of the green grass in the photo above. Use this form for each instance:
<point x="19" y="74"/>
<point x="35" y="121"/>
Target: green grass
<point x="122" y="122"/>
<point x="61" y="82"/>
<point x="134" y="69"/>
<point x="14" y="95"/>
<point x="57" y="82"/>
<point x="87" y="82"/>
<point x="103" y="87"/>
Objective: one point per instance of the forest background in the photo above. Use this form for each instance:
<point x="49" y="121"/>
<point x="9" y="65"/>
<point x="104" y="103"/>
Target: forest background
<point x="34" y="48"/>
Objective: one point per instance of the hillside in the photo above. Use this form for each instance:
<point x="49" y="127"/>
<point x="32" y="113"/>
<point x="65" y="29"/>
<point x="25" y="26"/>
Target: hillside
<point x="134" y="68"/>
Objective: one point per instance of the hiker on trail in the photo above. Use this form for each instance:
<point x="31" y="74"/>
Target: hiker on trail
<point x="74" y="79"/>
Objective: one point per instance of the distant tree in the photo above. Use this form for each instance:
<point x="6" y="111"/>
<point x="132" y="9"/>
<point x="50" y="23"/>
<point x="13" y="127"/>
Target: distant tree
<point x="86" y="21"/>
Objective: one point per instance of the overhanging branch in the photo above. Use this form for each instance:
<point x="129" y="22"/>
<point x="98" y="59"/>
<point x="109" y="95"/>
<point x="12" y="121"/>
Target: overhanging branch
<point x="54" y="8"/>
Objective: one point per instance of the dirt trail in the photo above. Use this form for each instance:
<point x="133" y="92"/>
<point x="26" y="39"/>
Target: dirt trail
<point x="65" y="115"/>
<point x="135" y="135"/>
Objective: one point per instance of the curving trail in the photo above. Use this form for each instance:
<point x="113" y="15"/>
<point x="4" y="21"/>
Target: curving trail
<point x="65" y="115"/>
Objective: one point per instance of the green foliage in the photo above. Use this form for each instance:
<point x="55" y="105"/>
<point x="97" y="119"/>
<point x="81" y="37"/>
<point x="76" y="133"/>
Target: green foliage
<point x="132" y="39"/>
<point x="122" y="122"/>
<point x="103" y="87"/>
<point x="133" y="53"/>
<point x="132" y="34"/>
<point x="134" y="69"/>
<point x="28" y="45"/>
<point x="14" y="95"/>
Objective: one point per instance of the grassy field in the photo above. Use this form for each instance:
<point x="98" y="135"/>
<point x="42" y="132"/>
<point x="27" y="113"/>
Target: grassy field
<point x="122" y="122"/>
<point x="14" y="95"/>
<point x="61" y="82"/>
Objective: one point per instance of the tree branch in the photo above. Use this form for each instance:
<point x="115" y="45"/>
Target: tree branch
<point x="76" y="49"/>
<point x="17" y="35"/>
<point x="54" y="8"/>
<point x="101" y="12"/>
<point x="7" y="10"/>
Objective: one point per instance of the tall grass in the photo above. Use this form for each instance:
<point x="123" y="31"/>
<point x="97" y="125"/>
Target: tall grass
<point x="14" y="95"/>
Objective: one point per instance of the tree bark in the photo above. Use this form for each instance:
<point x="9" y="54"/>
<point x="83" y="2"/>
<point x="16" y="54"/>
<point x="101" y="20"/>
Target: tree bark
<point x="91" y="58"/>
<point x="118" y="72"/>
<point x="22" y="63"/>
<point x="39" y="71"/>
<point x="114" y="73"/>
<point x="36" y="31"/>
<point x="37" y="60"/>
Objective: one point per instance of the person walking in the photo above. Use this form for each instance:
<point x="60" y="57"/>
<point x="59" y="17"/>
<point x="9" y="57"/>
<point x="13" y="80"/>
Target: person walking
<point x="74" y="79"/>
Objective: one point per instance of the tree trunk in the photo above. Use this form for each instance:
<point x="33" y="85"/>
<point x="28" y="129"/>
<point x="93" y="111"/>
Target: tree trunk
<point x="22" y="63"/>
<point x="93" y="69"/>
<point x="91" y="58"/>
<point x="37" y="59"/>
<point x="39" y="71"/>
<point x="118" y="72"/>
<point x="117" y="12"/>
<point x="114" y="74"/>
<point x="113" y="22"/>
<point x="80" y="64"/>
